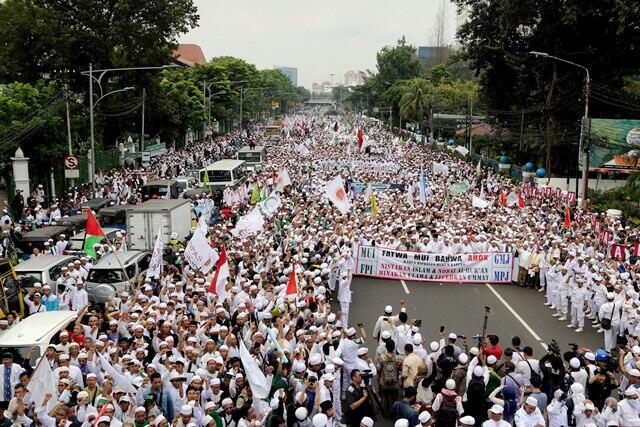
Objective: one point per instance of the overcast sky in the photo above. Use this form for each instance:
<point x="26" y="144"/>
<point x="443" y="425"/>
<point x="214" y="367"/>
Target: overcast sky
<point x="318" y="38"/>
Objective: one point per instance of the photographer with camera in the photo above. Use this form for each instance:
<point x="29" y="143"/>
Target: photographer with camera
<point x="357" y="400"/>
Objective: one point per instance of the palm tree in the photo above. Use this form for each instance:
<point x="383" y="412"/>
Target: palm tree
<point x="416" y="101"/>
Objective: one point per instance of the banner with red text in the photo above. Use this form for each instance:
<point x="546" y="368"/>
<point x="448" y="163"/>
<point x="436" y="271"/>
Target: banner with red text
<point x="385" y="263"/>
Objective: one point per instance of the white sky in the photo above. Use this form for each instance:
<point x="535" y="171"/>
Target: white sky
<point x="318" y="38"/>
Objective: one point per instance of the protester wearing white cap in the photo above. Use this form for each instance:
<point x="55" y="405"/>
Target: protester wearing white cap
<point x="495" y="417"/>
<point x="609" y="320"/>
<point x="388" y="322"/>
<point x="445" y="401"/>
<point x="529" y="414"/>
<point x="585" y="413"/>
<point x="628" y="408"/>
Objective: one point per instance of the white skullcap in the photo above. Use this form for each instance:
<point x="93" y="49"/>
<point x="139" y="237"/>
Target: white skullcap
<point x="301" y="413"/>
<point x="319" y="420"/>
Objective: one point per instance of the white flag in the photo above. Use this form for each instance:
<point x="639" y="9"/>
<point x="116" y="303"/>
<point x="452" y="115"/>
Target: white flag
<point x="334" y="190"/>
<point x="368" y="192"/>
<point x="198" y="253"/>
<point x="257" y="380"/>
<point x="283" y="180"/>
<point x="249" y="224"/>
<point x="441" y="168"/>
<point x="270" y="205"/>
<point x="155" y="265"/>
<point x="477" y="202"/>
<point x="410" y="195"/>
<point x="41" y="382"/>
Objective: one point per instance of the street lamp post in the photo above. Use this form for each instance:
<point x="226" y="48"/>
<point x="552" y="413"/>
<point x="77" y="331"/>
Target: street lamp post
<point x="583" y="149"/>
<point x="102" y="96"/>
<point x="242" y="92"/>
<point x="206" y="86"/>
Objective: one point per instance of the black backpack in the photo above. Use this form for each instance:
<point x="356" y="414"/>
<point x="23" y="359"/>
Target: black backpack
<point x="447" y="415"/>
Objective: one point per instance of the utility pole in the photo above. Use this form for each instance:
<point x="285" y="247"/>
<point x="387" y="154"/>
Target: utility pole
<point x="584" y="145"/>
<point x="144" y="96"/>
<point x="583" y="148"/>
<point x="521" y="128"/>
<point x="204" y="105"/>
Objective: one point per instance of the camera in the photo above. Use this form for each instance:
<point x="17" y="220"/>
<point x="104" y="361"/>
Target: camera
<point x="366" y="377"/>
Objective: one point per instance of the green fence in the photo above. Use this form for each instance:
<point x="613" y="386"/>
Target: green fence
<point x="105" y="160"/>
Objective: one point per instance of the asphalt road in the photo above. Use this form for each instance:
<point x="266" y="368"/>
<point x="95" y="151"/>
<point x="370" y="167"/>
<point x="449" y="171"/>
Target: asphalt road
<point x="460" y="308"/>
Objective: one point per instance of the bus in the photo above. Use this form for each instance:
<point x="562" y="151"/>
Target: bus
<point x="252" y="156"/>
<point x="224" y="173"/>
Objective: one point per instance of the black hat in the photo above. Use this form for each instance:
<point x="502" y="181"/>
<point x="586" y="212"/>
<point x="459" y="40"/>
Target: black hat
<point x="7" y="355"/>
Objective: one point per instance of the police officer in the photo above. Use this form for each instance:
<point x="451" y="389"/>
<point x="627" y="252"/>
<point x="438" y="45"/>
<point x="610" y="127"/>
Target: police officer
<point x="358" y="404"/>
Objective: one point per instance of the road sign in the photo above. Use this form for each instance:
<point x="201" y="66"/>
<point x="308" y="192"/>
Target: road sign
<point x="71" y="162"/>
<point x="71" y="167"/>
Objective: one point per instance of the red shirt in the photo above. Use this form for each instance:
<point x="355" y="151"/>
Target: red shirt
<point x="495" y="350"/>
<point x="78" y="339"/>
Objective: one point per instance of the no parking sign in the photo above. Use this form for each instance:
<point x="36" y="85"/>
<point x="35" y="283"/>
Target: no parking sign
<point x="71" y="167"/>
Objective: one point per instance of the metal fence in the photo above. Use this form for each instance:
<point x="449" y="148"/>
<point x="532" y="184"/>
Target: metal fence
<point x="105" y="161"/>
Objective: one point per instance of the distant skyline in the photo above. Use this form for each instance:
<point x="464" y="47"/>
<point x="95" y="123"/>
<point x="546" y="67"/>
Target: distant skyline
<point x="333" y="37"/>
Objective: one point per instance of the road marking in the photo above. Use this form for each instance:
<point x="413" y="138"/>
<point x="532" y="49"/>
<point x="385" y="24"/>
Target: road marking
<point x="404" y="285"/>
<point x="517" y="316"/>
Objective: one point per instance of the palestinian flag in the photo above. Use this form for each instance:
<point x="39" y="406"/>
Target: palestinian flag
<point x="93" y="234"/>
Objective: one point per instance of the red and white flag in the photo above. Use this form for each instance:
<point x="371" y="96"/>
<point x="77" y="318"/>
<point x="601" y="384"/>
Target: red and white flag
<point x="334" y="190"/>
<point x="520" y="201"/>
<point x="292" y="284"/>
<point x="219" y="282"/>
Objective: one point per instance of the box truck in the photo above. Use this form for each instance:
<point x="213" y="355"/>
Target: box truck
<point x="144" y="220"/>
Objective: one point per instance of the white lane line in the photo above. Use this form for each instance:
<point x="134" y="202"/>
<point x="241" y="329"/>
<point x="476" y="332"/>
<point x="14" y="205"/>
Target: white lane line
<point x="517" y="316"/>
<point x="404" y="285"/>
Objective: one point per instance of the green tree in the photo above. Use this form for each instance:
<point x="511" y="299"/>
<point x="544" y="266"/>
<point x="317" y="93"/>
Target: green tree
<point x="32" y="118"/>
<point x="182" y="107"/>
<point x="396" y="63"/>
<point x="500" y="34"/>
<point x="416" y="100"/>
<point x="40" y="36"/>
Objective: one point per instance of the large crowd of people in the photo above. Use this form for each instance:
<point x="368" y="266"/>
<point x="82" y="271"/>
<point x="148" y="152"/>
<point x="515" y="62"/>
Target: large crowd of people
<point x="178" y="351"/>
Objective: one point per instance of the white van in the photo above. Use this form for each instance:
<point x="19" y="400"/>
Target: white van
<point x="35" y="332"/>
<point x="44" y="269"/>
<point x="225" y="173"/>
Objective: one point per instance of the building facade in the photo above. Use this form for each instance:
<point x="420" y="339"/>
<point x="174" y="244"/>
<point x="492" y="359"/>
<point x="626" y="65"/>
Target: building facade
<point x="290" y="72"/>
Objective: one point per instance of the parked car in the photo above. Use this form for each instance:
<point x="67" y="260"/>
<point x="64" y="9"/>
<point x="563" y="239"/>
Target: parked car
<point x="108" y="277"/>
<point x="36" y="238"/>
<point x="44" y="269"/>
<point x="114" y="216"/>
<point x="34" y="332"/>
<point x="76" y="243"/>
<point x="96" y="204"/>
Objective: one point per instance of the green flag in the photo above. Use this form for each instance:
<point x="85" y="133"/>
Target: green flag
<point x="205" y="180"/>
<point x="93" y="234"/>
<point x="255" y="194"/>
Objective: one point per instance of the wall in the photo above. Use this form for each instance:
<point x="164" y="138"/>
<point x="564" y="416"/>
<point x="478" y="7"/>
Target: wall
<point x="594" y="184"/>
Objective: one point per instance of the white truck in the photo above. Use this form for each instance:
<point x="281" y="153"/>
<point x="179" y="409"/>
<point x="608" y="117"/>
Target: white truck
<point x="144" y="220"/>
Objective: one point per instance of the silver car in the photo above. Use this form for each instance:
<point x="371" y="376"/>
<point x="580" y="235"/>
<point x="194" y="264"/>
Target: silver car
<point x="107" y="276"/>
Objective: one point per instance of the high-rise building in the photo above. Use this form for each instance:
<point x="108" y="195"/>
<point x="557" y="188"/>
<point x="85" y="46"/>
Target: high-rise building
<point x="431" y="55"/>
<point x="290" y="72"/>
